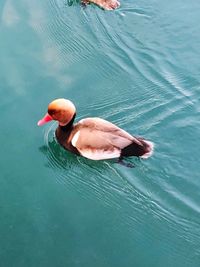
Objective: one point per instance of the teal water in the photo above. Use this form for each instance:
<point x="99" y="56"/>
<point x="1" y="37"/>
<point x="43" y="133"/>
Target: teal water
<point x="138" y="67"/>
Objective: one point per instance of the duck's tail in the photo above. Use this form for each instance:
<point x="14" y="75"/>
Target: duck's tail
<point x="148" y="149"/>
<point x="139" y="148"/>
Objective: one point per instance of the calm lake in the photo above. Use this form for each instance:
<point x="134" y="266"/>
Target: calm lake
<point x="138" y="67"/>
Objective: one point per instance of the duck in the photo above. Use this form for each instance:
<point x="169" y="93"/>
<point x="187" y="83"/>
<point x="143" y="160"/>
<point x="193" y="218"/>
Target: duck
<point x="93" y="138"/>
<point x="104" y="4"/>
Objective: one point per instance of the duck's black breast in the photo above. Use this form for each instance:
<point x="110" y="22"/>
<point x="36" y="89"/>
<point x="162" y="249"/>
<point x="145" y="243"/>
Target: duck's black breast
<point x="64" y="139"/>
<point x="64" y="135"/>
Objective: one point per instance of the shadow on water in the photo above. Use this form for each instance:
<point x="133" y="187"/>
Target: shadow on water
<point x="72" y="2"/>
<point x="64" y="160"/>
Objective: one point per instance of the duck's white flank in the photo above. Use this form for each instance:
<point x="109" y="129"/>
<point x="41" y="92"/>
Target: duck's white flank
<point x="100" y="154"/>
<point x="75" y="138"/>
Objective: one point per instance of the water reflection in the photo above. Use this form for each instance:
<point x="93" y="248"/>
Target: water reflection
<point x="64" y="160"/>
<point x="9" y="16"/>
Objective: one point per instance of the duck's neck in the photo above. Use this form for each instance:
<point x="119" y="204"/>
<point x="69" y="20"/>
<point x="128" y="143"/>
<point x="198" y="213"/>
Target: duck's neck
<point x="68" y="126"/>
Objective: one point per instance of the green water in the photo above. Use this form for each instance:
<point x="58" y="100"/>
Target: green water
<point x="138" y="67"/>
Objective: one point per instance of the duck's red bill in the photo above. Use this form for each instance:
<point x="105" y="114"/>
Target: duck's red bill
<point x="44" y="120"/>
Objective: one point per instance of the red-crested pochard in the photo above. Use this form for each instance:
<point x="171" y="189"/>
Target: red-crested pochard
<point x="93" y="138"/>
<point x="105" y="4"/>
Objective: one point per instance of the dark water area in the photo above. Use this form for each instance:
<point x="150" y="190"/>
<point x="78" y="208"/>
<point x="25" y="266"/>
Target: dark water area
<point x="138" y="67"/>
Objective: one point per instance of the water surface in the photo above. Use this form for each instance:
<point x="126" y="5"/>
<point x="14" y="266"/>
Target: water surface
<point x="138" y="67"/>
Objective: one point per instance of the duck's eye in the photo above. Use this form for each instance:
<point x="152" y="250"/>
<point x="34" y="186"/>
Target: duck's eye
<point x="52" y="112"/>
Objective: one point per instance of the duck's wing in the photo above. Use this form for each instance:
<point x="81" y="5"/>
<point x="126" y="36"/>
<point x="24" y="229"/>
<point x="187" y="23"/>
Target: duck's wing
<point x="98" y="139"/>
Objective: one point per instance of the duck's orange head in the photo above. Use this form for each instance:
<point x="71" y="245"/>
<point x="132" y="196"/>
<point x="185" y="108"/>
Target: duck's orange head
<point x="61" y="110"/>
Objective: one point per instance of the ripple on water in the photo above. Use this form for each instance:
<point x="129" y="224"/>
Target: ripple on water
<point x="70" y="168"/>
<point x="158" y="101"/>
<point x="110" y="183"/>
<point x="104" y="178"/>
